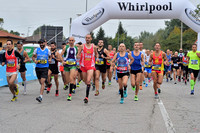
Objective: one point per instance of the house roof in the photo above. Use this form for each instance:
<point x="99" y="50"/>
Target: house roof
<point x="9" y="35"/>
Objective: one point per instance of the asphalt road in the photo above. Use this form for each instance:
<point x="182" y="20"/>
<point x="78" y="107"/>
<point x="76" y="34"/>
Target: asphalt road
<point x="176" y="111"/>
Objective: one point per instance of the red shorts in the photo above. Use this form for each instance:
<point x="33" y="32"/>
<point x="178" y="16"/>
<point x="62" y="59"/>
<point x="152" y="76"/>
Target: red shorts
<point x="61" y="68"/>
<point x="158" y="72"/>
<point x="85" y="69"/>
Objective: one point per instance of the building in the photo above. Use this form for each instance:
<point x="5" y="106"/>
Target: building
<point x="4" y="36"/>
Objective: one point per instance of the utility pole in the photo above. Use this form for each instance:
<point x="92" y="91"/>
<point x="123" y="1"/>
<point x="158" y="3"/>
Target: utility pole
<point x="28" y="31"/>
<point x="70" y="25"/>
<point x="181" y="45"/>
<point x="86" y="5"/>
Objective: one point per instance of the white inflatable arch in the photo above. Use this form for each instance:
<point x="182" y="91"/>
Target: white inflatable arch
<point x="135" y="9"/>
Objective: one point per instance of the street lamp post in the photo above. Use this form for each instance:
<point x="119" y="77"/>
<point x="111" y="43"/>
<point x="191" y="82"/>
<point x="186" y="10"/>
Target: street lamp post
<point x="86" y="5"/>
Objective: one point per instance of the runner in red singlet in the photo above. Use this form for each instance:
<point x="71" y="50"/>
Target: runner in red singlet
<point x="109" y="65"/>
<point x="87" y="53"/>
<point x="158" y="58"/>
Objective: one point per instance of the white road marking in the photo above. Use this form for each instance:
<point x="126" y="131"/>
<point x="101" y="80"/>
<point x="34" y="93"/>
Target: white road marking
<point x="166" y="118"/>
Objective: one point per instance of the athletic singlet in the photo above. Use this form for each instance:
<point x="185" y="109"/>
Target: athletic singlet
<point x="136" y="65"/>
<point x="169" y="59"/>
<point x="87" y="56"/>
<point x="185" y="62"/>
<point x="54" y="62"/>
<point x="158" y="62"/>
<point x="122" y="63"/>
<point x="11" y="65"/>
<point x="181" y="56"/>
<point x="147" y="61"/>
<point x="102" y="61"/>
<point x="70" y="56"/>
<point x="111" y="54"/>
<point x="42" y="58"/>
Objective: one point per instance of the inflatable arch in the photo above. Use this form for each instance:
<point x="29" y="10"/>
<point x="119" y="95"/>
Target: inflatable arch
<point x="135" y="9"/>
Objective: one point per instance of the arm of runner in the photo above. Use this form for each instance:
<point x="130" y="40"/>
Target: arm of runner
<point x="131" y="58"/>
<point x="50" y="56"/>
<point x="17" y="54"/>
<point x="79" y="52"/>
<point x="34" y="56"/>
<point x="150" y="59"/>
<point x="58" y="57"/>
<point x="142" y="59"/>
<point x="165" y="58"/>
<point x="27" y="59"/>
<point x="108" y="56"/>
<point x="113" y="60"/>
<point x="96" y="53"/>
<point x="198" y="54"/>
<point x="3" y="59"/>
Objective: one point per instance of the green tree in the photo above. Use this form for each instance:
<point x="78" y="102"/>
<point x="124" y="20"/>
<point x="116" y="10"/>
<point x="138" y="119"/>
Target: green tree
<point x="189" y="37"/>
<point x="15" y="33"/>
<point x="1" y="22"/>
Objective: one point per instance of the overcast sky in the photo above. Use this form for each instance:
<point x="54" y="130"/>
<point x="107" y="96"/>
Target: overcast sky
<point x="21" y="15"/>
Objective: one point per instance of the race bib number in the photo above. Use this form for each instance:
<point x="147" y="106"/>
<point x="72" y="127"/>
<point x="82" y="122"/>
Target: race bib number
<point x="157" y="67"/>
<point x="10" y="64"/>
<point x="42" y="61"/>
<point x="71" y="62"/>
<point x="176" y="65"/>
<point x="122" y="68"/>
<point x="185" y="64"/>
<point x="147" y="66"/>
<point x="100" y="62"/>
<point x="194" y="62"/>
<point x="156" y="60"/>
<point x="53" y="61"/>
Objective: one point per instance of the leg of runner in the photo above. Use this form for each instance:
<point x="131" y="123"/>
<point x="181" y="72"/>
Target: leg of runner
<point x="57" y="84"/>
<point x="146" y="78"/>
<point x="192" y="83"/>
<point x="42" y="82"/>
<point x="124" y="85"/>
<point x="155" y="78"/>
<point x="159" y="82"/>
<point x="174" y="71"/>
<point x="94" y="80"/>
<point x="49" y="81"/>
<point x="133" y="82"/>
<point x="121" y="90"/>
<point x="23" y="76"/>
<point x="71" y="86"/>
<point x="137" y="80"/>
<point x="63" y="76"/>
<point x="66" y="80"/>
<point x="87" y="76"/>
<point x="11" y="79"/>
<point x="103" y="76"/>
<point x="97" y="77"/>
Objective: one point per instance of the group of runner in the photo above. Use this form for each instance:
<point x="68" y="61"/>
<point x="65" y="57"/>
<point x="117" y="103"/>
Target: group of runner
<point x="88" y="62"/>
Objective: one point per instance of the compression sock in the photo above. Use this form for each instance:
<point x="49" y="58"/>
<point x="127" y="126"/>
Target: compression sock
<point x="122" y="93"/>
<point x="192" y="84"/>
<point x="87" y="90"/>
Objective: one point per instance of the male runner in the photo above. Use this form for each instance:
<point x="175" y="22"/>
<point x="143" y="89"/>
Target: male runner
<point x="61" y="67"/>
<point x="158" y="58"/>
<point x="168" y="67"/>
<point x="69" y="62"/>
<point x="136" y="69"/>
<point x="87" y="53"/>
<point x="147" y="69"/>
<point x="12" y="66"/>
<point x="194" y="62"/>
<point x="175" y="61"/>
<point x="23" y="69"/>
<point x="53" y="68"/>
<point x="101" y="66"/>
<point x="108" y="64"/>
<point x="142" y="75"/>
<point x="180" y="55"/>
<point x="41" y="57"/>
<point x="123" y="67"/>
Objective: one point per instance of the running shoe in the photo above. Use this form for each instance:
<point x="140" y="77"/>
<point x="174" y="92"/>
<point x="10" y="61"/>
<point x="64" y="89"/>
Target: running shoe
<point x="149" y="80"/>
<point x="78" y="85"/>
<point x="122" y="100"/>
<point x="66" y="87"/>
<point x="39" y="99"/>
<point x="49" y="88"/>
<point x="179" y="80"/>
<point x="133" y="88"/>
<point x="16" y="89"/>
<point x="113" y="77"/>
<point x="167" y="80"/>
<point x="14" y="99"/>
<point x="185" y="82"/>
<point x="86" y="100"/>
<point x="159" y="90"/>
<point x="97" y="93"/>
<point x="109" y="83"/>
<point x="140" y="87"/>
<point x="144" y="82"/>
<point x="73" y="91"/>
<point x="136" y="98"/>
<point x="69" y="97"/>
<point x="192" y="92"/>
<point x="175" y="83"/>
<point x="146" y="85"/>
<point x="22" y="83"/>
<point x="156" y="96"/>
<point x="24" y="92"/>
<point x="80" y="82"/>
<point x="171" y="79"/>
<point x="125" y="94"/>
<point x="57" y="93"/>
